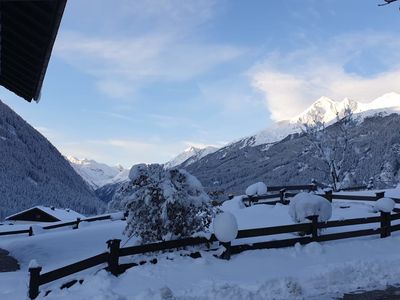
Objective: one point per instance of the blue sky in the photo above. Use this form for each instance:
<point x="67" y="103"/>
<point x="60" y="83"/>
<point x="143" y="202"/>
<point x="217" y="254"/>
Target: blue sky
<point x="140" y="81"/>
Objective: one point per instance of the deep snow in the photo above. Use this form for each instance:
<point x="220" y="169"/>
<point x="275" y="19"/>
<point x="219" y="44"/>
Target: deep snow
<point x="314" y="271"/>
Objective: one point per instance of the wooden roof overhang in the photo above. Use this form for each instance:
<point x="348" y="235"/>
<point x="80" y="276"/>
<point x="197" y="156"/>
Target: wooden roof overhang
<point x="28" y="29"/>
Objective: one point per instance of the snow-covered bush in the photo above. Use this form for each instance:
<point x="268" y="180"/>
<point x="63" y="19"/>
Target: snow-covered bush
<point x="256" y="189"/>
<point x="225" y="227"/>
<point x="163" y="204"/>
<point x="305" y="205"/>
<point x="384" y="204"/>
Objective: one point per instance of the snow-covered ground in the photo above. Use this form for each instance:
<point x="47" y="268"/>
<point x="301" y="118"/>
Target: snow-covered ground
<point x="313" y="271"/>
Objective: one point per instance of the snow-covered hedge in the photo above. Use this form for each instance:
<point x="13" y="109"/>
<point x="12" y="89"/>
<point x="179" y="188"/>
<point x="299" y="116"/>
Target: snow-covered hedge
<point x="256" y="189"/>
<point x="305" y="205"/>
<point x="163" y="204"/>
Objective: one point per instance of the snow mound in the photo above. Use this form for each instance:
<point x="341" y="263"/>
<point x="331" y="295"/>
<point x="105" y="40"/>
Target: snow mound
<point x="256" y="189"/>
<point x="304" y="205"/>
<point x="225" y="227"/>
<point x="117" y="216"/>
<point x="234" y="204"/>
<point x="33" y="264"/>
<point x="37" y="229"/>
<point x="385" y="205"/>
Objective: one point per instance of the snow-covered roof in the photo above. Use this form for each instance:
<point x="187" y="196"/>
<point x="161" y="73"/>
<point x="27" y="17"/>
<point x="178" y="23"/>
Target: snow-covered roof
<point x="59" y="213"/>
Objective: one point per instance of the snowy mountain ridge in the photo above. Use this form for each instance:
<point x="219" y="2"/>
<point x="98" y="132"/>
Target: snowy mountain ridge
<point x="97" y="174"/>
<point x="323" y="109"/>
<point x="189" y="156"/>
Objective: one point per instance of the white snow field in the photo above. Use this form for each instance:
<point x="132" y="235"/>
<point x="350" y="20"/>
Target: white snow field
<point x="314" y="271"/>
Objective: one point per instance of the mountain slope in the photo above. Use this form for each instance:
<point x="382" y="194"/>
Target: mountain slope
<point x="98" y="174"/>
<point x="189" y="156"/>
<point x="280" y="155"/>
<point x="33" y="172"/>
<point x="374" y="152"/>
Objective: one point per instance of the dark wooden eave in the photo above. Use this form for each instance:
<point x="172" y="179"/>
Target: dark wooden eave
<point x="27" y="34"/>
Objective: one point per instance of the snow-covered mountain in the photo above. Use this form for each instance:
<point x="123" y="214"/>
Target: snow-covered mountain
<point x="280" y="155"/>
<point x="98" y="174"/>
<point x="33" y="172"/>
<point x="324" y="109"/>
<point x="189" y="156"/>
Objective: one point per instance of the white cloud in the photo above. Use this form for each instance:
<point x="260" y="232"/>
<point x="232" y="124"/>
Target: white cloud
<point x="120" y="64"/>
<point x="164" y="47"/>
<point x="340" y="68"/>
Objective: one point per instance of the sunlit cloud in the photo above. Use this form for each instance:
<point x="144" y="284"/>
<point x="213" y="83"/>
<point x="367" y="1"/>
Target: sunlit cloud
<point x="292" y="81"/>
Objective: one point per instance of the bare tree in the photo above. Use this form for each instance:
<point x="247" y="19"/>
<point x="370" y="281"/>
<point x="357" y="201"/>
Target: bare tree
<point x="331" y="145"/>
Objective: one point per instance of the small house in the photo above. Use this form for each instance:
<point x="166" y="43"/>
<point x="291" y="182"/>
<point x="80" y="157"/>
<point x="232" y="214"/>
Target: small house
<point x="44" y="214"/>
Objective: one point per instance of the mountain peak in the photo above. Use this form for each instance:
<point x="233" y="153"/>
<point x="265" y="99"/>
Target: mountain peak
<point x="97" y="174"/>
<point x="191" y="149"/>
<point x="323" y="100"/>
<point x="190" y="155"/>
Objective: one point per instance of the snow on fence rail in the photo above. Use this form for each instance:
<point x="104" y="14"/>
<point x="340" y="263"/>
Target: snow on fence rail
<point x="74" y="224"/>
<point x="309" y="233"/>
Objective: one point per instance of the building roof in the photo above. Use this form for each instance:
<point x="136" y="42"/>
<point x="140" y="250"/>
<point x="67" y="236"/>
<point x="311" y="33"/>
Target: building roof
<point x="58" y="213"/>
<point x="27" y="34"/>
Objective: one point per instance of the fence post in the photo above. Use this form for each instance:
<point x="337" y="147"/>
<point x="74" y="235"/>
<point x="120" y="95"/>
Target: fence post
<point x="314" y="227"/>
<point x="282" y="194"/>
<point x="385" y="224"/>
<point x="329" y="195"/>
<point x="113" y="259"/>
<point x="78" y="220"/>
<point x="34" y="282"/>
<point x="370" y="185"/>
<point x="379" y="195"/>
<point x="313" y="187"/>
<point x="227" y="253"/>
<point x="30" y="232"/>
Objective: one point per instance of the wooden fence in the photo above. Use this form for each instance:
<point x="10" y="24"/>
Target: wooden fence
<point x="74" y="224"/>
<point x="283" y="195"/>
<point x="306" y="233"/>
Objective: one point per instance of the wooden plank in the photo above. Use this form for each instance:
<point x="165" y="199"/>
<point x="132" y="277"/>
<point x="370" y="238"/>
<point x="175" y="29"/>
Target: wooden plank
<point x="395" y="227"/>
<point x="73" y="268"/>
<point x="270" y="244"/>
<point x="14" y="232"/>
<point x="290" y="195"/>
<point x="291" y="187"/>
<point x="60" y="225"/>
<point x="348" y="234"/>
<point x="395" y="216"/>
<point x="246" y="233"/>
<point x="352" y="197"/>
<point x="153" y="247"/>
<point x="102" y="218"/>
<point x="348" y="222"/>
